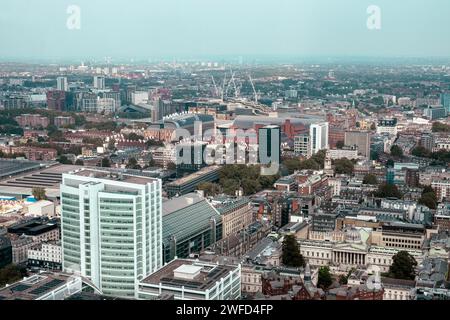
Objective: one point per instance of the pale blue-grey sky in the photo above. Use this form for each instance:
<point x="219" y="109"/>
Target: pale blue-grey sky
<point x="180" y="28"/>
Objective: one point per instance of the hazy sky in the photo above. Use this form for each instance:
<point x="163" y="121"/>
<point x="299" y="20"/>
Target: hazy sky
<point x="185" y="28"/>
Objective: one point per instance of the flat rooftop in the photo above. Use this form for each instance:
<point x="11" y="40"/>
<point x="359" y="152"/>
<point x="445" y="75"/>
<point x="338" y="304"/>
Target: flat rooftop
<point x="14" y="167"/>
<point x="34" y="287"/>
<point x="207" y="277"/>
<point x="179" y="203"/>
<point x="49" y="177"/>
<point x="194" y="176"/>
<point x="112" y="175"/>
<point x="32" y="227"/>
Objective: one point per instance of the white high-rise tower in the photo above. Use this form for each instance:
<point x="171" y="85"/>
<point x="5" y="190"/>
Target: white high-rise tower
<point x="62" y="84"/>
<point x="111" y="228"/>
<point x="318" y="133"/>
<point x="99" y="82"/>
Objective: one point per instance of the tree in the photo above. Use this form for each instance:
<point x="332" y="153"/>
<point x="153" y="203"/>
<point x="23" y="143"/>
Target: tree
<point x="80" y="120"/>
<point x="319" y="157"/>
<point x="293" y="165"/>
<point x="10" y="274"/>
<point x="429" y="198"/>
<point x="370" y="179"/>
<point x="102" y="126"/>
<point x="373" y="127"/>
<point x="427" y="189"/>
<point x="230" y="186"/>
<point x="250" y="186"/>
<point x="325" y="280"/>
<point x="112" y="144"/>
<point x="340" y="144"/>
<point x="343" y="279"/>
<point x="291" y="256"/>
<point x="403" y="266"/>
<point x="442" y="156"/>
<point x="210" y="189"/>
<point x="343" y="166"/>
<point x="171" y="166"/>
<point x="440" y="127"/>
<point x="267" y="182"/>
<point x="151" y="163"/>
<point x="396" y="151"/>
<point x="64" y="160"/>
<point x="388" y="191"/>
<point x="420" y="151"/>
<point x="105" y="163"/>
<point x="133" y="164"/>
<point x="378" y="101"/>
<point x="249" y="178"/>
<point x="39" y="193"/>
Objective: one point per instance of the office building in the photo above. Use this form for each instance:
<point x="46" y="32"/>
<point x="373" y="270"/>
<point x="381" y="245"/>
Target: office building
<point x="139" y="97"/>
<point x="445" y="101"/>
<point x="399" y="236"/>
<point x="291" y="94"/>
<point x="427" y="141"/>
<point x="111" y="226"/>
<point x="112" y="95"/>
<point x="99" y="83"/>
<point x="442" y="189"/>
<point x="56" y="100"/>
<point x="38" y="229"/>
<point x="324" y="222"/>
<point x="47" y="256"/>
<point x="302" y="145"/>
<point x="43" y="286"/>
<point x="237" y="214"/>
<point x="5" y="252"/>
<point x="318" y="133"/>
<point x="190" y="225"/>
<point x="64" y="121"/>
<point x="361" y="139"/>
<point x="190" y="183"/>
<point x="190" y="157"/>
<point x="269" y="141"/>
<point x="62" y="84"/>
<point x="106" y="105"/>
<point x="350" y="153"/>
<point x="435" y="112"/>
<point x="193" y="280"/>
<point x="32" y="121"/>
<point x="388" y="126"/>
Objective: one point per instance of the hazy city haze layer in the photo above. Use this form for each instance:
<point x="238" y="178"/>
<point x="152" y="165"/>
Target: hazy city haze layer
<point x="193" y="28"/>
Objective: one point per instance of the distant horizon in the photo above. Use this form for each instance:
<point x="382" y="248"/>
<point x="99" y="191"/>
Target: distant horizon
<point x="236" y="59"/>
<point x="62" y="30"/>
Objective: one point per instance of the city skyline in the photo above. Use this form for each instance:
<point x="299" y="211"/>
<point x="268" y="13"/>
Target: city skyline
<point x="253" y="152"/>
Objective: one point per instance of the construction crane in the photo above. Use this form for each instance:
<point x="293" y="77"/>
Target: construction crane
<point x="229" y="84"/>
<point x="223" y="85"/>
<point x="253" y="87"/>
<point x="216" y="90"/>
<point x="232" y="82"/>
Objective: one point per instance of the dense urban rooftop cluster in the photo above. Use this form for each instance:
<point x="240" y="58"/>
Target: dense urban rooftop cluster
<point x="148" y="181"/>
